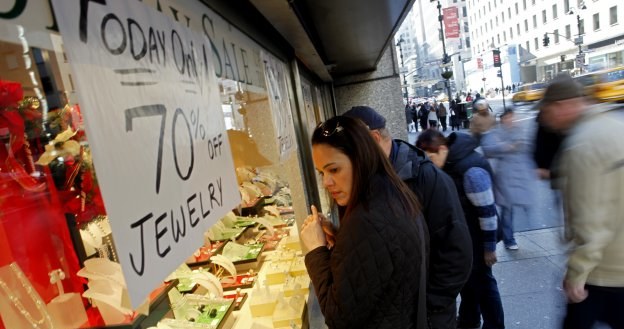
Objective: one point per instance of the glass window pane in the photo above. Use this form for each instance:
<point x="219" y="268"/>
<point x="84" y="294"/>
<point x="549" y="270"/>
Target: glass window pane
<point x="554" y="11"/>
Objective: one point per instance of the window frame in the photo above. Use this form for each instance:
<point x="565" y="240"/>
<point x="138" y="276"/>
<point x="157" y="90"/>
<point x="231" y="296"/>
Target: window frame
<point x="536" y="41"/>
<point x="568" y="31"/>
<point x="613" y="22"/>
<point x="535" y="21"/>
<point x="566" y="6"/>
<point x="554" y="11"/>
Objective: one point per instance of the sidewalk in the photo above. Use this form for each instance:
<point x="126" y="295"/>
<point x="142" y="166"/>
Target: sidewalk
<point x="529" y="280"/>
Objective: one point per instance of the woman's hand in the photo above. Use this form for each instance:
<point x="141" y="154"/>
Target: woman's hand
<point x="312" y="234"/>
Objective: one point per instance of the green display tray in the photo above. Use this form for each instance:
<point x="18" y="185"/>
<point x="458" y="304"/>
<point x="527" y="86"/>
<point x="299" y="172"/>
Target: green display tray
<point x="186" y="285"/>
<point x="235" y="233"/>
<point x="223" y="308"/>
<point x="252" y="256"/>
<point x="243" y="222"/>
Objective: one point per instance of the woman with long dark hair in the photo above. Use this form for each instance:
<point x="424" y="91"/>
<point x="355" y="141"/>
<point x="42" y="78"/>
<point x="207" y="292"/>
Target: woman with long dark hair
<point x="374" y="276"/>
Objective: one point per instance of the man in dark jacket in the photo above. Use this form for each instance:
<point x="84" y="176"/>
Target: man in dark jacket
<point x="472" y="176"/>
<point x="423" y="114"/>
<point x="547" y="144"/>
<point x="450" y="256"/>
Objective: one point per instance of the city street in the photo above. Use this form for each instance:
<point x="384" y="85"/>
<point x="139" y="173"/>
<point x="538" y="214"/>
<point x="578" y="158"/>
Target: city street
<point x="529" y="279"/>
<point x="543" y="215"/>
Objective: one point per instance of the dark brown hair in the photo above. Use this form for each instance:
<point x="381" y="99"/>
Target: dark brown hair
<point x="430" y="141"/>
<point x="352" y="138"/>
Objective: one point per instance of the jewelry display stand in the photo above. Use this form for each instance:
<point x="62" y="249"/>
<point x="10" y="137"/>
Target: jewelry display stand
<point x="107" y="290"/>
<point x="263" y="301"/>
<point x="63" y="319"/>
<point x="225" y="263"/>
<point x="265" y="222"/>
<point x="59" y="305"/>
<point x="288" y="311"/>
<point x="20" y="304"/>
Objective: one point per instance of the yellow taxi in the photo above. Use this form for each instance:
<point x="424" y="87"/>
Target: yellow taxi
<point x="588" y="81"/>
<point x="529" y="93"/>
<point x="609" y="86"/>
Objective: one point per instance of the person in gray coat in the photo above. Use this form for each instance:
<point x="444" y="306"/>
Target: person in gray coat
<point x="513" y="172"/>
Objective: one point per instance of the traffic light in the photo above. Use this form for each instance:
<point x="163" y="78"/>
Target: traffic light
<point x="496" y="57"/>
<point x="546" y="40"/>
<point x="447" y="74"/>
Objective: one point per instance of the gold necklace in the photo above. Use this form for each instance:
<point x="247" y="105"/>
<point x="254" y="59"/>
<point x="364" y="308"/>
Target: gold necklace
<point x="98" y="222"/>
<point x="45" y="317"/>
<point x="108" y="243"/>
<point x="88" y="230"/>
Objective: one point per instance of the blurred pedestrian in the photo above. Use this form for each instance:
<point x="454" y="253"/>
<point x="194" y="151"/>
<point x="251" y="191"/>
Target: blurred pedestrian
<point x="546" y="147"/>
<point x="409" y="115"/>
<point x="442" y="115"/>
<point x="472" y="175"/>
<point x="590" y="169"/>
<point x="514" y="176"/>
<point x="423" y="115"/>
<point x="482" y="118"/>
<point x="416" y="116"/>
<point x="374" y="275"/>
<point x="450" y="244"/>
<point x="454" y="118"/>
<point x="547" y="143"/>
<point x="432" y="117"/>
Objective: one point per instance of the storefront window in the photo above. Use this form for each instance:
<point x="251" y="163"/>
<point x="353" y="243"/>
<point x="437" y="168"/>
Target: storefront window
<point x="47" y="181"/>
<point x="56" y="220"/>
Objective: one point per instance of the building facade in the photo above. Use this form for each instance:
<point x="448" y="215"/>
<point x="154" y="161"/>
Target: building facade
<point x="421" y="46"/>
<point x="539" y="39"/>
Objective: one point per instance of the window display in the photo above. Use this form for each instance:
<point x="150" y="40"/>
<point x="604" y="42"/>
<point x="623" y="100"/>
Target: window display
<point x="58" y="228"/>
<point x="17" y="290"/>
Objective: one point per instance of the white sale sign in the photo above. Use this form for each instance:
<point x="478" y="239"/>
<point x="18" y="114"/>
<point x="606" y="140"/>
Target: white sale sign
<point x="153" y="118"/>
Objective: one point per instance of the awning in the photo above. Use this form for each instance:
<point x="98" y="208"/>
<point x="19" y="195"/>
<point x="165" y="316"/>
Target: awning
<point x="346" y="36"/>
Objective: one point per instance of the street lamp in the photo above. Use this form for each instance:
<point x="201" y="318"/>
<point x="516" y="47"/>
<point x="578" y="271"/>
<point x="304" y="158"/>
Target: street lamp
<point x="399" y="43"/>
<point x="445" y="57"/>
<point x="579" y="40"/>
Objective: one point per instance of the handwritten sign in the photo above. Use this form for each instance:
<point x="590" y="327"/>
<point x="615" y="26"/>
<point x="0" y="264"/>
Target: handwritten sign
<point x="276" y="75"/>
<point x="153" y="116"/>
